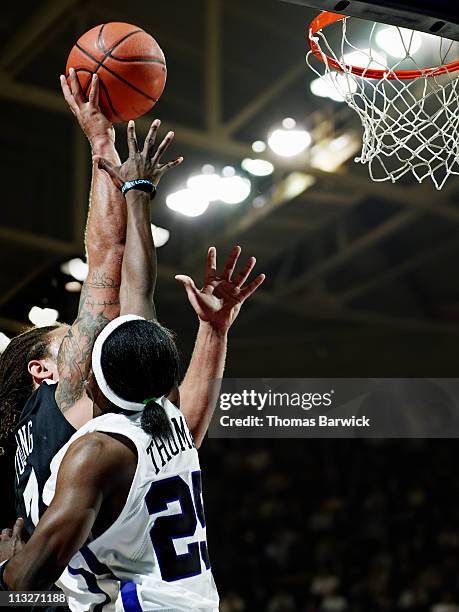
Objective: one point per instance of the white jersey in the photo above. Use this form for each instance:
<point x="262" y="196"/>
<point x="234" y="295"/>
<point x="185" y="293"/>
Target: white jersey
<point x="154" y="556"/>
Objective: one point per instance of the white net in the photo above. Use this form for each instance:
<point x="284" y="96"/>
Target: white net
<point x="411" y="125"/>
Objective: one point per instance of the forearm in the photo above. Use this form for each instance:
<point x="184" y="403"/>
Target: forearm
<point x="207" y="363"/>
<point x="139" y="268"/>
<point x="106" y="225"/>
<point x="45" y="556"/>
<point x="26" y="573"/>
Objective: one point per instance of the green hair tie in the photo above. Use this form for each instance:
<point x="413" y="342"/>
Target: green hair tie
<point x="150" y="399"/>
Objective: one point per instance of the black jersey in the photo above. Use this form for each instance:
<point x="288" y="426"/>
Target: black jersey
<point x="42" y="431"/>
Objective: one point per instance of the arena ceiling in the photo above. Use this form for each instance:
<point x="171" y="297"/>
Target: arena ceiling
<point x="360" y="275"/>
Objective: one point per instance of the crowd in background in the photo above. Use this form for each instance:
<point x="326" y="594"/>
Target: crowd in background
<point x="333" y="525"/>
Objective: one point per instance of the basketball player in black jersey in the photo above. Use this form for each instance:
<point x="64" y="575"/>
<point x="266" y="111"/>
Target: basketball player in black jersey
<point x="91" y="494"/>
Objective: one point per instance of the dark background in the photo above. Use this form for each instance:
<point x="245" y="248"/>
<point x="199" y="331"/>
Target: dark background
<point x="361" y="281"/>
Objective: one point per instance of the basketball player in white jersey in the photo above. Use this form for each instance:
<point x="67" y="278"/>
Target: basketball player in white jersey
<point x="126" y="512"/>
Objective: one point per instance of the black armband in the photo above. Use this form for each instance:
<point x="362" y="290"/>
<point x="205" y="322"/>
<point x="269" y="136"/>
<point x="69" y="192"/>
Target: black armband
<point x="141" y="185"/>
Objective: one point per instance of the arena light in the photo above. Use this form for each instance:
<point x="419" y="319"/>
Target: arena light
<point x="334" y="86"/>
<point x="160" y="235"/>
<point x="398" y="42"/>
<point x="259" y="146"/>
<point x="228" y="171"/>
<point x="288" y="143"/>
<point x="73" y="287"/>
<point x="75" y="267"/>
<point x="4" y="341"/>
<point x="41" y="317"/>
<point x="234" y="189"/>
<point x="366" y="58"/>
<point x="259" y="201"/>
<point x="330" y="154"/>
<point x="296" y="183"/>
<point x="206" y="185"/>
<point x="188" y="202"/>
<point x="288" y="123"/>
<point x="257" y="167"/>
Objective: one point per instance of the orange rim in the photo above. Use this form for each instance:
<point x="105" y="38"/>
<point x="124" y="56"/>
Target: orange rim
<point x="326" y="18"/>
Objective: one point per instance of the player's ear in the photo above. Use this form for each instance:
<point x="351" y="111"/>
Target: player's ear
<point x="39" y="371"/>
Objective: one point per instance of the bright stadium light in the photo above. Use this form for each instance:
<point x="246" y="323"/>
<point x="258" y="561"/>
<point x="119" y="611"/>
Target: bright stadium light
<point x="259" y="201"/>
<point x="4" y="341"/>
<point x="367" y="58"/>
<point x="228" y="171"/>
<point x="330" y="154"/>
<point x="259" y="146"/>
<point x="234" y="189"/>
<point x="75" y="267"/>
<point x="257" y="167"/>
<point x="398" y="42"/>
<point x="288" y="123"/>
<point x="73" y="287"/>
<point x="288" y="143"/>
<point x="206" y="185"/>
<point x="160" y="235"/>
<point x="188" y="202"/>
<point x="296" y="183"/>
<point x="335" y="86"/>
<point x="41" y="317"/>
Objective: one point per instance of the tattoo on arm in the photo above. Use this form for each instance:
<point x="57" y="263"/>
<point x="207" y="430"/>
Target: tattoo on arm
<point x="99" y="304"/>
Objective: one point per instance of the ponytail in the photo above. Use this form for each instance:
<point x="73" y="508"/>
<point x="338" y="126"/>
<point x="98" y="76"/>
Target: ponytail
<point x="154" y="420"/>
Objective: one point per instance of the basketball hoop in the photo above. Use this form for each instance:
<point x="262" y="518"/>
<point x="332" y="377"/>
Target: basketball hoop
<point x="410" y="116"/>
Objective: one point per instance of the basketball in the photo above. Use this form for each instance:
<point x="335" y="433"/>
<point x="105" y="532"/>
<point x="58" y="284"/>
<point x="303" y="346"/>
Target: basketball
<point x="129" y="63"/>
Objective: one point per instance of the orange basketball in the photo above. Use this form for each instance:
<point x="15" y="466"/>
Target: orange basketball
<point x="129" y="63"/>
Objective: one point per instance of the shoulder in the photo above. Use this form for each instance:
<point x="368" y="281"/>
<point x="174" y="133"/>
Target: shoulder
<point x="98" y="456"/>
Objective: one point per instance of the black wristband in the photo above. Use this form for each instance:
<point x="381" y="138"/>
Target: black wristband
<point x="3" y="585"/>
<point x="141" y="185"/>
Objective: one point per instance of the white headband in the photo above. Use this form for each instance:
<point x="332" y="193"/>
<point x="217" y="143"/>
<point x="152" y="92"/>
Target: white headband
<point x="97" y="366"/>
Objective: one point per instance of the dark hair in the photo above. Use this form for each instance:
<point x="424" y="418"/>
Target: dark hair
<point x="15" y="381"/>
<point x="140" y="361"/>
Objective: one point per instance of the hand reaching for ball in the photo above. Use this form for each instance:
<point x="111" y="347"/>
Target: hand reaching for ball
<point x="141" y="164"/>
<point x="95" y="125"/>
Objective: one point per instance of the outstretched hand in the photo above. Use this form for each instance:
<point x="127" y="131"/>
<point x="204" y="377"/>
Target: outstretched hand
<point x="219" y="301"/>
<point x="10" y="540"/>
<point x="141" y="164"/>
<point x="93" y="122"/>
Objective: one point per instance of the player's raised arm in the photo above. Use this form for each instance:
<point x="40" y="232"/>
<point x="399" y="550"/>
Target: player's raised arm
<point x="217" y="305"/>
<point x="105" y="237"/>
<point x="138" y="178"/>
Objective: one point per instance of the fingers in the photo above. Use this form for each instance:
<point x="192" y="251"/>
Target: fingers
<point x="17" y="529"/>
<point x="132" y="139"/>
<point x="188" y="283"/>
<point x="211" y="267"/>
<point x="105" y="165"/>
<point x="76" y="87"/>
<point x="231" y="263"/>
<point x="162" y="147"/>
<point x="68" y="95"/>
<point x="151" y="137"/>
<point x="244" y="273"/>
<point x="94" y="93"/>
<point x="172" y="164"/>
<point x="251" y="287"/>
<point x="7" y="533"/>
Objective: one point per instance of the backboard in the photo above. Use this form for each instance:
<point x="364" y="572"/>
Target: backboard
<point x="432" y="16"/>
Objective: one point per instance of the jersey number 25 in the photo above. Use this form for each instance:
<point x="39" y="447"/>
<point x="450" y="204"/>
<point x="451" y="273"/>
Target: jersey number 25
<point x="166" y="529"/>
